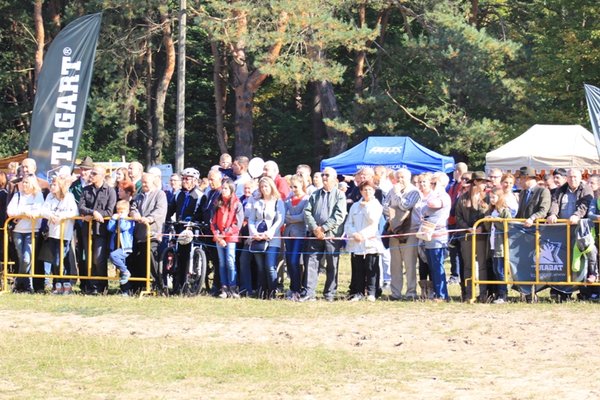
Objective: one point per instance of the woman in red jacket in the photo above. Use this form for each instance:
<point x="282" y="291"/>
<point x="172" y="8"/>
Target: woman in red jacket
<point x="225" y="224"/>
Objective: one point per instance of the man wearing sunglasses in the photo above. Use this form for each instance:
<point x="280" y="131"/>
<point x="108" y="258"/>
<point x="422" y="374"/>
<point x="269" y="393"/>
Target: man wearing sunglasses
<point x="324" y="216"/>
<point x="97" y="202"/>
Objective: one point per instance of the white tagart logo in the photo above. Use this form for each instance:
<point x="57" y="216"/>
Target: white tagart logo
<point x="385" y="150"/>
<point x="67" y="51"/>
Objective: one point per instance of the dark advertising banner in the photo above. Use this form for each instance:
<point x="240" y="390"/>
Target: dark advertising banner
<point x="62" y="92"/>
<point x="553" y="265"/>
<point x="592" y="96"/>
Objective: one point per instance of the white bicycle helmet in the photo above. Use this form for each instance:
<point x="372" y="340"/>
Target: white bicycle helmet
<point x="185" y="237"/>
<point x="193" y="172"/>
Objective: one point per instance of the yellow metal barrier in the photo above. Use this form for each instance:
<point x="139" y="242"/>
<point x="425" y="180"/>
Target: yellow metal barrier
<point x="475" y="281"/>
<point x="5" y="262"/>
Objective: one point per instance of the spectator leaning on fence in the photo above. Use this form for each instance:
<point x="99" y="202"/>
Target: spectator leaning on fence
<point x="149" y="208"/>
<point x="97" y="202"/>
<point x="470" y="208"/>
<point x="26" y="202"/>
<point x="571" y="201"/>
<point x="59" y="209"/>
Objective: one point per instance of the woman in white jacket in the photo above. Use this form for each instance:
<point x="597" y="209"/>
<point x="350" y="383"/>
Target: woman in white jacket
<point x="27" y="203"/>
<point x="364" y="242"/>
<point x="59" y="207"/>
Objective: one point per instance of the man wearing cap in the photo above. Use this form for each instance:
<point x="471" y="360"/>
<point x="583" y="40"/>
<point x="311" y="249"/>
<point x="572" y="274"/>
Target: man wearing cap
<point x="559" y="176"/>
<point x="534" y="201"/>
<point x="184" y="206"/>
<point x="85" y="167"/>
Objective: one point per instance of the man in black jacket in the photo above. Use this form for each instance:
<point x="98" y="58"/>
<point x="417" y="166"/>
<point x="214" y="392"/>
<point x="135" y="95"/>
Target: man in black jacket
<point x="97" y="202"/>
<point x="184" y="206"/>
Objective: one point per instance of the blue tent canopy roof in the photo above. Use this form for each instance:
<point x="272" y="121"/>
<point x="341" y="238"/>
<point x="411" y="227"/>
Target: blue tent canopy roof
<point x="390" y="151"/>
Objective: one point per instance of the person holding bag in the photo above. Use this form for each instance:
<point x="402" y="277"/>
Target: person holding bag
<point x="266" y="218"/>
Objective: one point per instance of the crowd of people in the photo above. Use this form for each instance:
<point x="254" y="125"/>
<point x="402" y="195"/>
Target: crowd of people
<point x="398" y="228"/>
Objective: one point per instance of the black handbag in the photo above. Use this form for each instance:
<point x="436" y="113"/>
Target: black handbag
<point x="259" y="246"/>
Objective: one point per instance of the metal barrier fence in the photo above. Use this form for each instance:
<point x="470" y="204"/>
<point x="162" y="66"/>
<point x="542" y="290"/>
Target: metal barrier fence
<point x="508" y="271"/>
<point x="87" y="219"/>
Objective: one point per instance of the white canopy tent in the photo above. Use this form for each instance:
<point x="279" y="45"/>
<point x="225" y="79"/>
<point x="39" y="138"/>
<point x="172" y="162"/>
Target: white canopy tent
<point x="546" y="147"/>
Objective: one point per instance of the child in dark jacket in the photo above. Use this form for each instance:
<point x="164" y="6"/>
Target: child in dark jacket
<point x="118" y="255"/>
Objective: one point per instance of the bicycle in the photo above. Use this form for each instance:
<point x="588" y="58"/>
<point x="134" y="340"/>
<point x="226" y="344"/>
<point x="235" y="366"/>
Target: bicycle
<point x="197" y="270"/>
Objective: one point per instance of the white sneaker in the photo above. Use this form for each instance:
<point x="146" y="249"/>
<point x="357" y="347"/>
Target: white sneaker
<point x="371" y="298"/>
<point x="499" y="301"/>
<point x="58" y="288"/>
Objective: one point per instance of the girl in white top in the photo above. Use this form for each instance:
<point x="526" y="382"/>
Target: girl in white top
<point x="362" y="230"/>
<point x="60" y="206"/>
<point x="26" y="202"/>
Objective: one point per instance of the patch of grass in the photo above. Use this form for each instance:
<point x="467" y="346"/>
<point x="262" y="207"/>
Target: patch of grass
<point x="122" y="367"/>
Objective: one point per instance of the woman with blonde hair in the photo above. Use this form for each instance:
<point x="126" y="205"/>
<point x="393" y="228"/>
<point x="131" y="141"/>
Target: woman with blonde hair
<point x="27" y="203"/>
<point x="266" y="218"/>
<point x="60" y="206"/>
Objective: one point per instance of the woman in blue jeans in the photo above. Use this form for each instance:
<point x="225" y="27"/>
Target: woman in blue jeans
<point x="225" y="225"/>
<point x="60" y="206"/>
<point x="295" y="228"/>
<point x="264" y="225"/>
<point x="26" y="202"/>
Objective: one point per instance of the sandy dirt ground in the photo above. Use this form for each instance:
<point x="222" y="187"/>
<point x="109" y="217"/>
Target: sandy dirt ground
<point x="484" y="351"/>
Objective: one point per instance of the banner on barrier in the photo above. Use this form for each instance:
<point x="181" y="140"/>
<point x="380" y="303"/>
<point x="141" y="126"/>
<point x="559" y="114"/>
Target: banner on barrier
<point x="553" y="263"/>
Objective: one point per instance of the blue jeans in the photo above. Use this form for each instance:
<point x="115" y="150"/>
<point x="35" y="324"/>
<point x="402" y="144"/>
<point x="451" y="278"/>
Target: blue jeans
<point x="293" y="250"/>
<point x="53" y="267"/>
<point x="267" y="271"/>
<point x="23" y="247"/>
<point x="118" y="258"/>
<point x="498" y="266"/>
<point x="227" y="270"/>
<point x="246" y="271"/>
<point x="435" y="259"/>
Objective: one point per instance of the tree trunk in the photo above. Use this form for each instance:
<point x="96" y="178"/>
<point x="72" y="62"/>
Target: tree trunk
<point x="219" y="80"/>
<point x="163" y="86"/>
<point x="149" y="102"/>
<point x="246" y="84"/>
<point x="474" y="12"/>
<point x="338" y="141"/>
<point x="39" y="38"/>
<point x="244" y="101"/>
<point x="361" y="56"/>
<point x="318" y="127"/>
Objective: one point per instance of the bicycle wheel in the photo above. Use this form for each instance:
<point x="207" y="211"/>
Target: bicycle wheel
<point x="167" y="267"/>
<point x="199" y="269"/>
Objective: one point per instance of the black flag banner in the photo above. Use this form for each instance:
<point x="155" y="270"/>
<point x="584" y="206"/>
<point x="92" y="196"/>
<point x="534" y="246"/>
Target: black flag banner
<point x="62" y="92"/>
<point x="592" y="96"/>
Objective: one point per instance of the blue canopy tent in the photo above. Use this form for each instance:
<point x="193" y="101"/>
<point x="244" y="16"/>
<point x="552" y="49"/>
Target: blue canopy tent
<point x="391" y="151"/>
